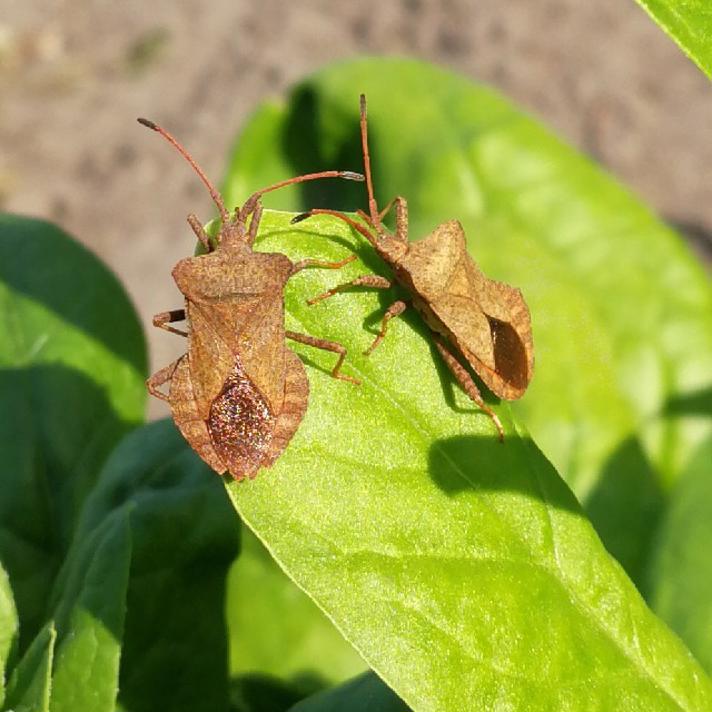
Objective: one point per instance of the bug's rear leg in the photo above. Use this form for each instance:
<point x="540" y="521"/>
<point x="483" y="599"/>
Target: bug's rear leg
<point x="160" y="377"/>
<point x="366" y="280"/>
<point x="468" y="385"/>
<point x="164" y="318"/>
<point x="326" y="346"/>
<point x="394" y="310"/>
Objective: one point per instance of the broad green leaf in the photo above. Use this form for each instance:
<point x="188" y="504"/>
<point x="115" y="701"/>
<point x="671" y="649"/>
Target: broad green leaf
<point x="621" y="311"/>
<point x="462" y="569"/>
<point x="8" y="627"/>
<point x="185" y="536"/>
<point x="681" y="570"/>
<point x="275" y="629"/>
<point x="30" y="686"/>
<point x="689" y="23"/>
<point x="90" y="619"/>
<point x="72" y="364"/>
<point x="365" y="692"/>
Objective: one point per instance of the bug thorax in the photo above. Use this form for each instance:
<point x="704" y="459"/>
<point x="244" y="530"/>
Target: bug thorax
<point x="232" y="236"/>
<point x="391" y="249"/>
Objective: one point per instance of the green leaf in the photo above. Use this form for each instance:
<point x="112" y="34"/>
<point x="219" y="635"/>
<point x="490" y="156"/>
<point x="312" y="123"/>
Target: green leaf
<point x="30" y="686"/>
<point x="461" y="568"/>
<point x="622" y="313"/>
<point x="275" y="629"/>
<point x="689" y="23"/>
<point x="185" y="536"/>
<point x="366" y="692"/>
<point x="8" y="627"/>
<point x="90" y="619"/>
<point x="681" y="571"/>
<point x="72" y="364"/>
<point x="254" y="692"/>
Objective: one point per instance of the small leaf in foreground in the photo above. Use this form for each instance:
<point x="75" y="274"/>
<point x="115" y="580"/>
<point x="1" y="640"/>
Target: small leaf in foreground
<point x="31" y="682"/>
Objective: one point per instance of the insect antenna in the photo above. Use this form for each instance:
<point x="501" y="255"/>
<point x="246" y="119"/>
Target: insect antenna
<point x="372" y="205"/>
<point x="217" y="198"/>
<point x="250" y="203"/>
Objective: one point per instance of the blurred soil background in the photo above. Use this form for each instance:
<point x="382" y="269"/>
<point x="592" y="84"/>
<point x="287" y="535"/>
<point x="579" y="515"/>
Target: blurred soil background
<point x="74" y="76"/>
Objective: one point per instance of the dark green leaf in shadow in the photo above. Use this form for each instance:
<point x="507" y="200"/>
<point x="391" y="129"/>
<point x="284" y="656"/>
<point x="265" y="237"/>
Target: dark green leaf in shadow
<point x="461" y="568"/>
<point x="72" y="364"/>
<point x="365" y="692"/>
<point x="255" y="692"/>
<point x="689" y="23"/>
<point x="8" y="628"/>
<point x="680" y="577"/>
<point x="31" y="682"/>
<point x="185" y="537"/>
<point x="276" y="629"/>
<point x="89" y="616"/>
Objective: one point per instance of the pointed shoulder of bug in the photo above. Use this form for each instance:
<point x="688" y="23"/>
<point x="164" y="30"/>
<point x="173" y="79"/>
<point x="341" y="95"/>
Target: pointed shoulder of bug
<point x="430" y="264"/>
<point x="217" y="275"/>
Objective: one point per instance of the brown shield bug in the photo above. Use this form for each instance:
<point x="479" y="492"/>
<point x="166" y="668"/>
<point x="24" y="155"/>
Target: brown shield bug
<point x="239" y="394"/>
<point x="486" y="323"/>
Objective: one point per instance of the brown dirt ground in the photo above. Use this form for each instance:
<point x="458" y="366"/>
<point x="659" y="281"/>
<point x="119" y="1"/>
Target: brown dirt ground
<point x="75" y="74"/>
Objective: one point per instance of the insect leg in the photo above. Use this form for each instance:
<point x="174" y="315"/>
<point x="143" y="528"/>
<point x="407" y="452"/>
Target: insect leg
<point x="394" y="310"/>
<point x="254" y="224"/>
<point x="164" y="318"/>
<point x="341" y="216"/>
<point x="302" y="264"/>
<point x="200" y="232"/>
<point x="366" y="280"/>
<point x="401" y="218"/>
<point x="327" y="346"/>
<point x="468" y="385"/>
<point x="161" y="377"/>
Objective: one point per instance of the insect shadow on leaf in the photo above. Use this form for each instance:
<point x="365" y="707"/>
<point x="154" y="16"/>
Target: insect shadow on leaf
<point x="239" y="393"/>
<point x="474" y="319"/>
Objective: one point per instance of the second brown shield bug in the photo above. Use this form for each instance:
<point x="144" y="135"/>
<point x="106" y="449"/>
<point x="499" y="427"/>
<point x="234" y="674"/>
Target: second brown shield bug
<point x="475" y="319"/>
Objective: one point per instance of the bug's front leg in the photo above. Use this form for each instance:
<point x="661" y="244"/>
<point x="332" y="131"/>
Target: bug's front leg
<point x="160" y="377"/>
<point x="401" y="206"/>
<point x="366" y="280"/>
<point x="332" y="346"/>
<point x="164" y="318"/>
<point x="468" y="385"/>
<point x="394" y="310"/>
<point x="303" y="264"/>
<point x="200" y="233"/>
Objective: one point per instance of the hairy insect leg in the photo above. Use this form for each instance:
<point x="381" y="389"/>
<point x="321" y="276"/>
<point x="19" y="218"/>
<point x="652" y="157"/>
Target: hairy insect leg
<point x="199" y="231"/>
<point x="341" y="216"/>
<point x="401" y="206"/>
<point x="366" y="280"/>
<point x="303" y="264"/>
<point x="394" y="310"/>
<point x="164" y="318"/>
<point x="254" y="224"/>
<point x="326" y="346"/>
<point x="160" y="377"/>
<point x="468" y="385"/>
